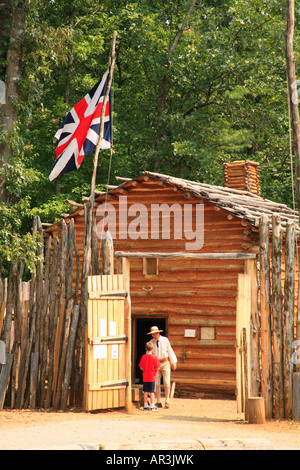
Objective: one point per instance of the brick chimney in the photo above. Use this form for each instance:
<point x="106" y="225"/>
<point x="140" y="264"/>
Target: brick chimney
<point x="242" y="175"/>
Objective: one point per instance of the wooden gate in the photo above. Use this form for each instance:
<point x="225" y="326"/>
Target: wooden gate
<point x="105" y="378"/>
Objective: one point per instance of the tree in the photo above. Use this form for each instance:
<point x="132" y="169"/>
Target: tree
<point x="9" y="110"/>
<point x="192" y="89"/>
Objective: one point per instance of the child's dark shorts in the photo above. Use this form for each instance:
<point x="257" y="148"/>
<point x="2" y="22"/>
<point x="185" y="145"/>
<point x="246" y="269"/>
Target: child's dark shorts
<point x="149" y="387"/>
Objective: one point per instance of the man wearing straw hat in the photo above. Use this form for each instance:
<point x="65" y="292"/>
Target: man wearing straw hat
<point x="167" y="359"/>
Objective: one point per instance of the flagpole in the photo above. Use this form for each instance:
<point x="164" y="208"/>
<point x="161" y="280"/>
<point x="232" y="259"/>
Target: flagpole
<point x="111" y="72"/>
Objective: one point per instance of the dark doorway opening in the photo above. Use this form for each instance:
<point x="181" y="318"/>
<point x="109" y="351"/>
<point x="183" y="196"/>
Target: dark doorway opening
<point x="142" y="327"/>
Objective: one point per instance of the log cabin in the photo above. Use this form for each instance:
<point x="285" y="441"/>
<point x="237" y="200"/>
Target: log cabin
<point x="188" y="242"/>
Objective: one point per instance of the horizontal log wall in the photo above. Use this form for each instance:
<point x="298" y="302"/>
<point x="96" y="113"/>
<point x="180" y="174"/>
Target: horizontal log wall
<point x="192" y="293"/>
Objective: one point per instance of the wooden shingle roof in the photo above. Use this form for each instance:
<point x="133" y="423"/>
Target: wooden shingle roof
<point x="242" y="204"/>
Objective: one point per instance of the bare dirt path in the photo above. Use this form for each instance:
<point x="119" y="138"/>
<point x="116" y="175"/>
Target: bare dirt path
<point x="188" y="424"/>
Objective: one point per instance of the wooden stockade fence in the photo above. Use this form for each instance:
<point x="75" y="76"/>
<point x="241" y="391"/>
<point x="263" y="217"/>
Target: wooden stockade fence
<point x="39" y="322"/>
<point x="278" y="322"/>
<point x="269" y="371"/>
<point x="43" y="323"/>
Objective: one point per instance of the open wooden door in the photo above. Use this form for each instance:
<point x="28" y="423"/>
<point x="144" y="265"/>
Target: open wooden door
<point x="105" y="380"/>
<point x="243" y="357"/>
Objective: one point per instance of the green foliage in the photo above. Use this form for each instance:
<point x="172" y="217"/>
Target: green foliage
<point x="16" y="244"/>
<point x="220" y="95"/>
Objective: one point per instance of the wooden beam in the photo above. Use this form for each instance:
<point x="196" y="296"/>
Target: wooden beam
<point x="73" y="203"/>
<point x="126" y="254"/>
<point x="122" y="178"/>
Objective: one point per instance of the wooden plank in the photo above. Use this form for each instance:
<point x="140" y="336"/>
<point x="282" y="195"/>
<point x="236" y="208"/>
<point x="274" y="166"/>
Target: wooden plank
<point x="110" y="319"/>
<point x="107" y="340"/>
<point x="99" y="387"/>
<point x="121" y="362"/>
<point x="109" y="294"/>
<point x="116" y="351"/>
<point x="97" y="317"/>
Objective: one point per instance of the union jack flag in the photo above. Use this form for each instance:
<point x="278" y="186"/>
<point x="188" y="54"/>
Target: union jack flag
<point x="79" y="132"/>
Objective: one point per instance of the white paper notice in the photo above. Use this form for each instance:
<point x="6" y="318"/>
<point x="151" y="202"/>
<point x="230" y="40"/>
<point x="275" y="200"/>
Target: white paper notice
<point x="115" y="351"/>
<point x="102" y="327"/>
<point x="112" y="328"/>
<point x="100" y="351"/>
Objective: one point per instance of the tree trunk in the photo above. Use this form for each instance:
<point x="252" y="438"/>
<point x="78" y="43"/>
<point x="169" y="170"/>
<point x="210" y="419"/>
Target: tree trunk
<point x="293" y="97"/>
<point x="9" y="113"/>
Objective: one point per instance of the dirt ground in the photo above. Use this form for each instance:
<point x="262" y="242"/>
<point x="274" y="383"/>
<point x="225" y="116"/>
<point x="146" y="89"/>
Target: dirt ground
<point x="197" y="424"/>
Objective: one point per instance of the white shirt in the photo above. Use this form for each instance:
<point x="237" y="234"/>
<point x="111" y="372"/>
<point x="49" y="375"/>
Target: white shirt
<point x="164" y="349"/>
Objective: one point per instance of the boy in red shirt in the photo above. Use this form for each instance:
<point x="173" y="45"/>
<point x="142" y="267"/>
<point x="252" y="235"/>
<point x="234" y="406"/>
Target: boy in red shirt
<point x="149" y="364"/>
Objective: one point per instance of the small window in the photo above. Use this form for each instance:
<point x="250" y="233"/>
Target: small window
<point x="150" y="266"/>
<point x="208" y="333"/>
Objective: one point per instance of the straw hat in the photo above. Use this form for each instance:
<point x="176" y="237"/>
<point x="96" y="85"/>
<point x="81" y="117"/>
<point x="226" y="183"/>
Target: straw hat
<point x="154" y="329"/>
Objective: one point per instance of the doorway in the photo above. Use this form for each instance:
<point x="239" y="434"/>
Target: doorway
<point x="141" y="326"/>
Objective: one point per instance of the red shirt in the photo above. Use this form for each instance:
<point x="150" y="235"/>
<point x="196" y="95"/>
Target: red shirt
<point x="149" y="363"/>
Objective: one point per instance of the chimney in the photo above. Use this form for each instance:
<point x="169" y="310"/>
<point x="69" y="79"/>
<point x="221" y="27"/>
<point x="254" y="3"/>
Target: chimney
<point x="242" y="175"/>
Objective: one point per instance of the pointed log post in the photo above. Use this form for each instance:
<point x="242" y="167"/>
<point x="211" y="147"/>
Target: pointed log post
<point x="265" y="297"/>
<point x="85" y="272"/>
<point x="107" y="253"/>
<point x="277" y="318"/>
<point x="288" y="319"/>
<point x="255" y="377"/>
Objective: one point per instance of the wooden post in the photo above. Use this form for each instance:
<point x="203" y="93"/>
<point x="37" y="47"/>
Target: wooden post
<point x="288" y="318"/>
<point x="63" y="353"/>
<point x="53" y="314"/>
<point x="86" y="266"/>
<point x="276" y="308"/>
<point x="296" y="396"/>
<point x="266" y="351"/>
<point x="254" y="365"/>
<point x="256" y="410"/>
<point x="70" y="351"/>
<point x="107" y="254"/>
<point x="45" y="317"/>
<point x="4" y="378"/>
<point x="95" y="250"/>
